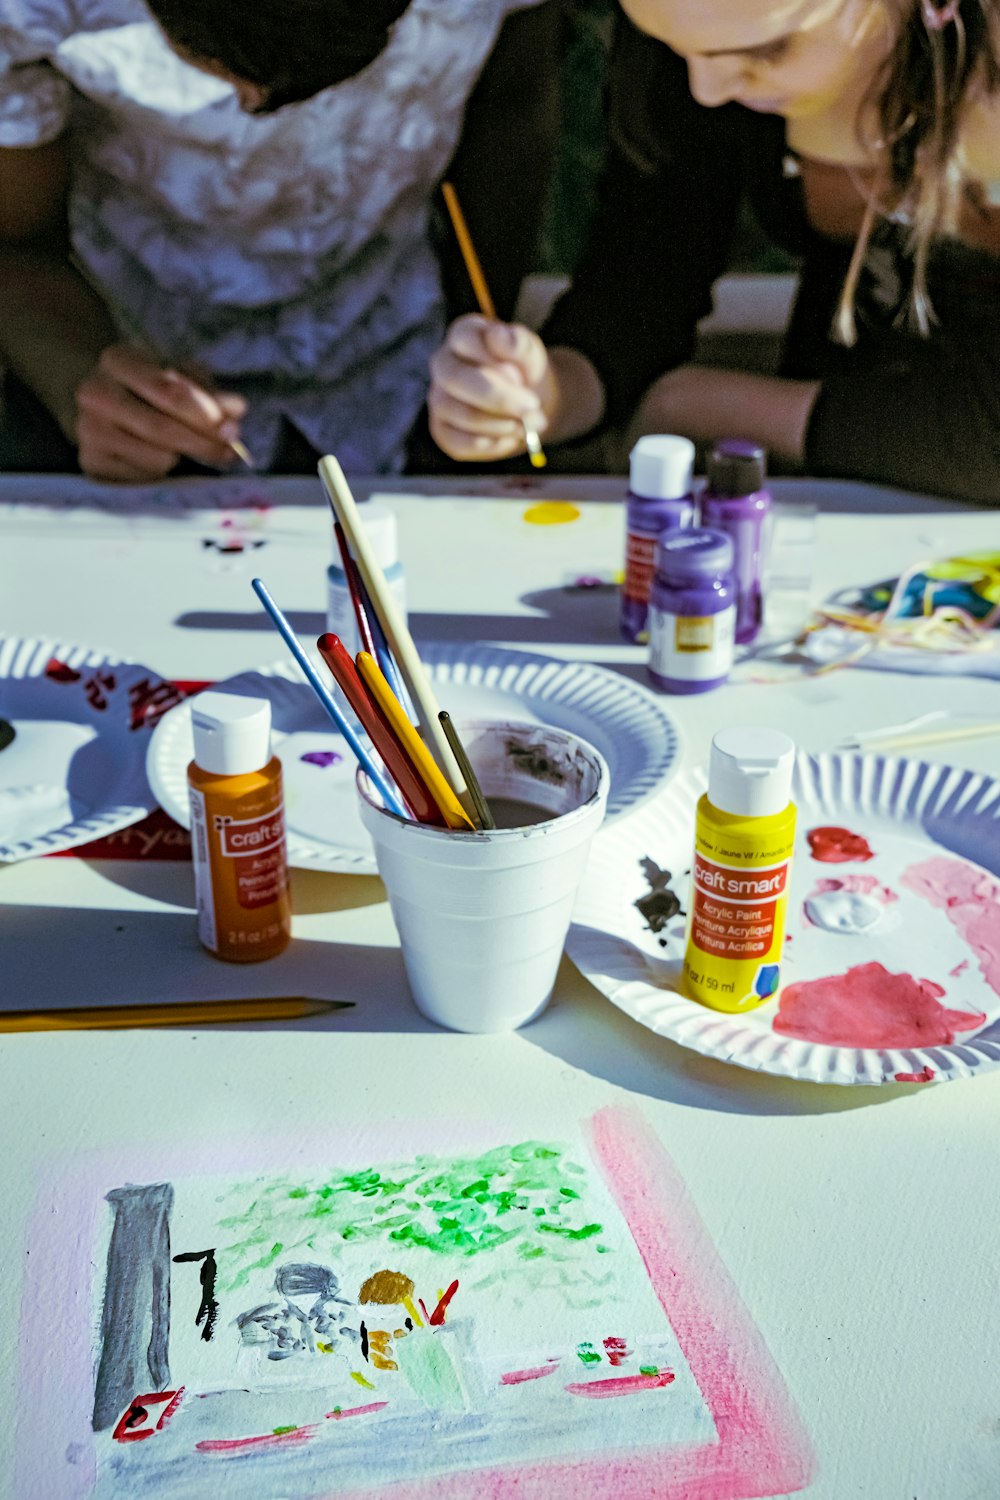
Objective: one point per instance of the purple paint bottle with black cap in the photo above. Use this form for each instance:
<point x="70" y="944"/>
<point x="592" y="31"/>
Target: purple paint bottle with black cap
<point x="659" y="499"/>
<point x="735" y="501"/>
<point x="692" y="611"/>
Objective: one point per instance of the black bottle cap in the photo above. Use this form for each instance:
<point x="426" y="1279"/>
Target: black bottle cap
<point x="736" y="467"/>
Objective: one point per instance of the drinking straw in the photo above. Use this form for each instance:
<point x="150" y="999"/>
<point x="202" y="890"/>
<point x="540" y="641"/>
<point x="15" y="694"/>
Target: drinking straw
<point x="415" y="791"/>
<point x="533" y="443"/>
<point x="375" y="776"/>
<point x="479" y="802"/>
<point x="411" y="668"/>
<point x="374" y="681"/>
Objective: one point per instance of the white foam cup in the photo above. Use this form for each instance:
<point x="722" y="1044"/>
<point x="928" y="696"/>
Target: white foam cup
<point x="482" y="917"/>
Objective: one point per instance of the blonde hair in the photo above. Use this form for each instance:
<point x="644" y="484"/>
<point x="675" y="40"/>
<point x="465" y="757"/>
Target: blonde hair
<point x="942" y="54"/>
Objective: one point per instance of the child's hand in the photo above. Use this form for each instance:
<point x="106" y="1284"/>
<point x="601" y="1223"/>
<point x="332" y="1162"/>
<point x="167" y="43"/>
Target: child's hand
<point x="136" y="420"/>
<point x="487" y="380"/>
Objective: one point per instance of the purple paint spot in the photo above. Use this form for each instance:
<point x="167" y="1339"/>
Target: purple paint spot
<point x="321" y="758"/>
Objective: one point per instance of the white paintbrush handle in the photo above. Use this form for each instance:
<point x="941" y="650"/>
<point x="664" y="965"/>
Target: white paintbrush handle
<point x="932" y="737"/>
<point x="397" y="633"/>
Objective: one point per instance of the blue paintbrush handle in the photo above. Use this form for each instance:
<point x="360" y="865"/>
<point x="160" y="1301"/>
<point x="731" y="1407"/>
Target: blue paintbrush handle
<point x="291" y="640"/>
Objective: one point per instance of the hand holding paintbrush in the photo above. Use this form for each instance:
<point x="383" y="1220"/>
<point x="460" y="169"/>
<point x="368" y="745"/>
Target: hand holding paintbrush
<point x="136" y="418"/>
<point x="503" y="344"/>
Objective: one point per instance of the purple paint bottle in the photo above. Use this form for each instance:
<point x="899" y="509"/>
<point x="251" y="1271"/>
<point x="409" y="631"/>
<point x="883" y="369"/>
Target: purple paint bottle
<point x="736" y="502"/>
<point x="692" y="611"/>
<point x="659" y="499"/>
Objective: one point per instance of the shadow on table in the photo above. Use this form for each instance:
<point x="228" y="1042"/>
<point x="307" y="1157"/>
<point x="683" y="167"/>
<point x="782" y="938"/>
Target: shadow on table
<point x="571" y="616"/>
<point x="584" y="1029"/>
<point x="123" y="957"/>
<point x="172" y="882"/>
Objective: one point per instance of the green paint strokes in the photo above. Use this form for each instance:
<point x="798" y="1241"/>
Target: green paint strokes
<point x="585" y="1233"/>
<point x="243" y="1276"/>
<point x="513" y="1196"/>
<point x="425" y="1362"/>
<point x="279" y="1430"/>
<point x="587" y="1354"/>
<point x="649" y="1369"/>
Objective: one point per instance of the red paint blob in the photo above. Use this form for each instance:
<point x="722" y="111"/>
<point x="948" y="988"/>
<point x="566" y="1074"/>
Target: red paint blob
<point x="926" y="1075"/>
<point x="869" y="1007"/>
<point x="835" y="846"/>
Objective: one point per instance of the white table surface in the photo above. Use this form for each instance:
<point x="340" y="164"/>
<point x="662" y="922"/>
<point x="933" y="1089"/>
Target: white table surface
<point x="859" y="1225"/>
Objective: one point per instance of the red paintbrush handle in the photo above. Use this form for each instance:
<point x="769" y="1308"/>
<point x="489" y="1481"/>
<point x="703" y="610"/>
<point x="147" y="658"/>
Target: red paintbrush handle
<point x="355" y="588"/>
<point x="379" y="731"/>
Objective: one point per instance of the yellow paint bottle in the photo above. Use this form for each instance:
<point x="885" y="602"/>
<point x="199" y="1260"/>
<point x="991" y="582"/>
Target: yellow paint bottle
<point x="238" y="829"/>
<point x="744" y="836"/>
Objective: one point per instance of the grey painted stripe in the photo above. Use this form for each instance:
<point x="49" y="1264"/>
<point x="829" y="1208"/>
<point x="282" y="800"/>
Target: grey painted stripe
<point x="135" y="1322"/>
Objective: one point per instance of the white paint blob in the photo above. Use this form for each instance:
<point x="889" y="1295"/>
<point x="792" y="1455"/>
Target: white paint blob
<point x="843" y="911"/>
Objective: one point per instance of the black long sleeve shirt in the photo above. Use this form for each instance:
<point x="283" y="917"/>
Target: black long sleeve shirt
<point x="896" y="408"/>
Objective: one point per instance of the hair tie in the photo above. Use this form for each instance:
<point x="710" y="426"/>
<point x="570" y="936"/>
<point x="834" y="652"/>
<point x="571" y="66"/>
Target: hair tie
<point x="937" y="17"/>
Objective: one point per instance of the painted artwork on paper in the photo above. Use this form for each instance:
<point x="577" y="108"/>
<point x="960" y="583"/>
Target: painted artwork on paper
<point x="542" y="1317"/>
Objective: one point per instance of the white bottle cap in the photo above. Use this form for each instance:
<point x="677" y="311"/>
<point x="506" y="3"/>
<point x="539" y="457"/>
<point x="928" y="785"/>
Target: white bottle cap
<point x="750" y="772"/>
<point x="661" y="467"/>
<point x="380" y="528"/>
<point x="232" y="735"/>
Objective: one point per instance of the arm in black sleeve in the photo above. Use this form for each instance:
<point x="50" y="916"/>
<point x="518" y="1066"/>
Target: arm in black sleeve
<point x="920" y="413"/>
<point x="662" y="232"/>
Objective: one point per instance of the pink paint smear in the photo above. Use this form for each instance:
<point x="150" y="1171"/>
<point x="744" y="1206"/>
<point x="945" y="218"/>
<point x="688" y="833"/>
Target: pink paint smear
<point x="623" y="1385"/>
<point x="297" y="1436"/>
<point x="856" y="885"/>
<point x="869" y="1007"/>
<point x="537" y="1372"/>
<point x="970" y="899"/>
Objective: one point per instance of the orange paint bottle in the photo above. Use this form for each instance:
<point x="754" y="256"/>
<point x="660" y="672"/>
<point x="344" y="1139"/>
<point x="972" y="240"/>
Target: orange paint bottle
<point x="238" y="829"/>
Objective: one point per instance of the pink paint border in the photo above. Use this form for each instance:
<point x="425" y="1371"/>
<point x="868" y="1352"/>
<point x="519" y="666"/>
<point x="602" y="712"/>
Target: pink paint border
<point x="762" y="1450"/>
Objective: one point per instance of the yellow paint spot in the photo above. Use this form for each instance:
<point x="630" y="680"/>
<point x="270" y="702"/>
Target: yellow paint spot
<point x="383" y="1364"/>
<point x="356" y="1375"/>
<point x="324" y="1348"/>
<point x="551" y="513"/>
<point x="417" y="1320"/>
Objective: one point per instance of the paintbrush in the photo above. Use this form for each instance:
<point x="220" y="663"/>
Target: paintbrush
<point x="533" y="443"/>
<point x="407" y="777"/>
<point x="411" y="668"/>
<point x="479" y="802"/>
<point x="424" y="763"/>
<point x="886" y="740"/>
<point x="291" y="640"/>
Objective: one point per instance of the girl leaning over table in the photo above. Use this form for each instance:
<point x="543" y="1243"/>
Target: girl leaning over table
<point x="867" y="136"/>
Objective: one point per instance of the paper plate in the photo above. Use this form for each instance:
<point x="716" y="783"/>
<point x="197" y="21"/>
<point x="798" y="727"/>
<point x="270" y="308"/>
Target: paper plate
<point x="930" y="888"/>
<point x="75" y="769"/>
<point x="629" y="725"/>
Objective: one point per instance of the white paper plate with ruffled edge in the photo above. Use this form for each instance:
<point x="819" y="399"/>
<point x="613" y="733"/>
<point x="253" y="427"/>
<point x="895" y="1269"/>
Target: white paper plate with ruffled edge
<point x="931" y="885"/>
<point x="75" y="769"/>
<point x="627" y="723"/>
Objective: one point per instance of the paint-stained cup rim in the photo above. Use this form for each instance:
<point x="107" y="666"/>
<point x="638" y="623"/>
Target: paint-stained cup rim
<point x="558" y="823"/>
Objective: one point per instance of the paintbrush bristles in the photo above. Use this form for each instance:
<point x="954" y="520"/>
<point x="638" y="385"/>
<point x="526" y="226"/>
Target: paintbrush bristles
<point x="418" y="685"/>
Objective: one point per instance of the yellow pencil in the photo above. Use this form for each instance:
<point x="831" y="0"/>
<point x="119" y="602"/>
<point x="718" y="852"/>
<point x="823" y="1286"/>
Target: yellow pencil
<point x="183" y="1013"/>
<point x="536" y="453"/>
<point x="447" y="803"/>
